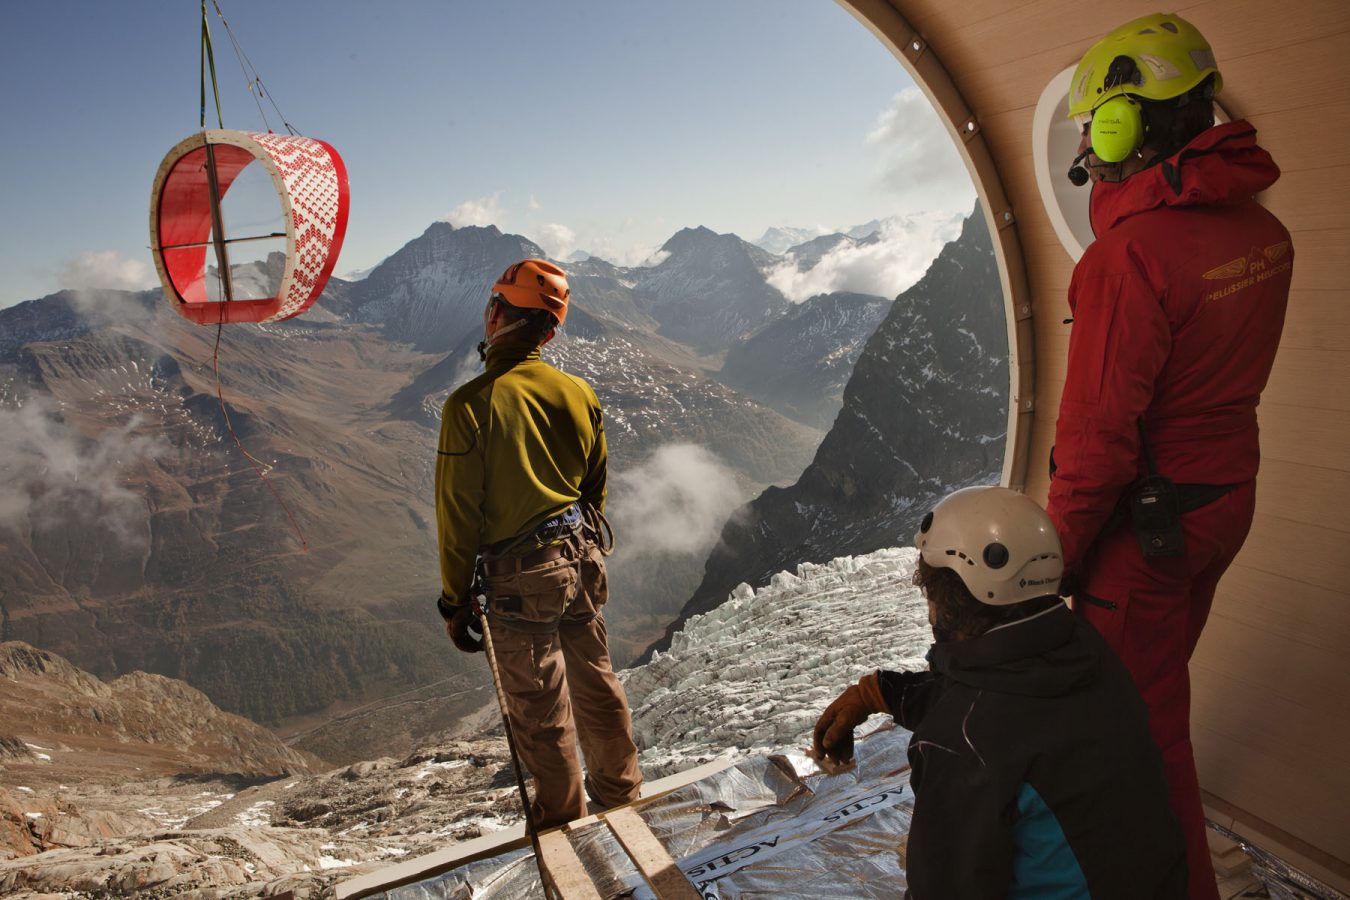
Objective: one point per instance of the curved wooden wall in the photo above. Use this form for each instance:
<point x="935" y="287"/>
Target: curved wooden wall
<point x="1271" y="678"/>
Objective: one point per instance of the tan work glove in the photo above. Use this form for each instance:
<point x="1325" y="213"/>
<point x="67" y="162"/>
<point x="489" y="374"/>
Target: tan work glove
<point x="833" y="738"/>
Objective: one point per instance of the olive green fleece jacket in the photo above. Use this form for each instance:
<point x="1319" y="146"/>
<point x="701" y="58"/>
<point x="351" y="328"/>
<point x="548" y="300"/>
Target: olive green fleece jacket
<point x="519" y="444"/>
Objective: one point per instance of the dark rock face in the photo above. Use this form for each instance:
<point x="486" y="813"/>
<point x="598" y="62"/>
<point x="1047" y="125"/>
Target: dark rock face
<point x="799" y="363"/>
<point x="925" y="413"/>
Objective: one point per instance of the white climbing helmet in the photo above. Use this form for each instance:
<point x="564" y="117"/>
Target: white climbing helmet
<point x="1000" y="542"/>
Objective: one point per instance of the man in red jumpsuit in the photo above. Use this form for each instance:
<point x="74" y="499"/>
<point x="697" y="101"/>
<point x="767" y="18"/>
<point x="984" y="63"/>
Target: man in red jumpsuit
<point x="1177" y="311"/>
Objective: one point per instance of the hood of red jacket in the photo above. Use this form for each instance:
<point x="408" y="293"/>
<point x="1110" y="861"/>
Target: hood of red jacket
<point x="1221" y="167"/>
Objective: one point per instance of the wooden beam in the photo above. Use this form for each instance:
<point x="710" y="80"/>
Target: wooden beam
<point x="652" y="860"/>
<point x="569" y="876"/>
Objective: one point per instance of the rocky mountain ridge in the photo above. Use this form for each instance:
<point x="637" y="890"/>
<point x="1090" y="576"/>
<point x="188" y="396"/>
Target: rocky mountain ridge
<point x="924" y="413"/>
<point x="137" y="722"/>
<point x="135" y="535"/>
<point x="799" y="363"/>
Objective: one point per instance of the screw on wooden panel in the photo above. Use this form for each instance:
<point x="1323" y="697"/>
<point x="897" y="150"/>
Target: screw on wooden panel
<point x="1025" y="309"/>
<point x="1027" y="405"/>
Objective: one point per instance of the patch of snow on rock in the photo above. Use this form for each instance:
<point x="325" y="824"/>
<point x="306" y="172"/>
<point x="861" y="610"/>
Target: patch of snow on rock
<point x="256" y="815"/>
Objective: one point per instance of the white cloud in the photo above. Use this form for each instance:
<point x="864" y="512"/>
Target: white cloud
<point x="106" y="269"/>
<point x="106" y="307"/>
<point x="483" y="211"/>
<point x="50" y="474"/>
<point x="674" y="503"/>
<point x="917" y="160"/>
<point x="557" y="240"/>
<point x="534" y="202"/>
<point x="902" y="252"/>
<point x="624" y="255"/>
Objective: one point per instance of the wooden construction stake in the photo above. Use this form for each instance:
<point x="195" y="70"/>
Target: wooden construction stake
<point x="565" y="871"/>
<point x="652" y="860"/>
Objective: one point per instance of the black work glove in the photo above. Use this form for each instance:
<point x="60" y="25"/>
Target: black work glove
<point x="833" y="739"/>
<point x="457" y="626"/>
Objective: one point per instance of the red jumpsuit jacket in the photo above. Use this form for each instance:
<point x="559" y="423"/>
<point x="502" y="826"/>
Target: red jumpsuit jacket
<point x="1178" y="307"/>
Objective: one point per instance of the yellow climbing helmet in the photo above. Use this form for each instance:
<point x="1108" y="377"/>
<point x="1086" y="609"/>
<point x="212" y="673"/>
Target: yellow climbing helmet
<point x="1170" y="57"/>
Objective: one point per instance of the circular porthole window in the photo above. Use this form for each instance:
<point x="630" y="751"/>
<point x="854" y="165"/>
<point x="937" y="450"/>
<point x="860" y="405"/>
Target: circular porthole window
<point x="1054" y="144"/>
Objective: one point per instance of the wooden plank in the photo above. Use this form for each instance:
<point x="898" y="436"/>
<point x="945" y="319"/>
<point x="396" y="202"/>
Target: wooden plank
<point x="1301" y="493"/>
<point x="1314" y="555"/>
<point x="432" y="864"/>
<point x="1317" y="319"/>
<point x="1299" y="614"/>
<point x="1277" y="78"/>
<point x="1284" y="132"/>
<point x="1319" y="260"/>
<point x="1308" y="698"/>
<point x="1270" y="759"/>
<point x="498" y="842"/>
<point x="1310" y="379"/>
<point x="950" y="16"/>
<point x="564" y="867"/>
<point x="1311" y="200"/>
<point x="651" y="859"/>
<point x="1291" y="433"/>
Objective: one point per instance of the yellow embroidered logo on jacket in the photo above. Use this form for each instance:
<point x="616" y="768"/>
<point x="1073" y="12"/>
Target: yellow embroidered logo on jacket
<point x="1258" y="265"/>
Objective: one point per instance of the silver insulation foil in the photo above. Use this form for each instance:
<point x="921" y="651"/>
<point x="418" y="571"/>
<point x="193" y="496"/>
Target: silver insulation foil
<point x="768" y="826"/>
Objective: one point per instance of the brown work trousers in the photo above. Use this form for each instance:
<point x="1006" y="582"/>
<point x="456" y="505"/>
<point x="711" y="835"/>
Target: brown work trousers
<point x="553" y="654"/>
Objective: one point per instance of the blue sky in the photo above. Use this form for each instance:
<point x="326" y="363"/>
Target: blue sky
<point x="597" y="125"/>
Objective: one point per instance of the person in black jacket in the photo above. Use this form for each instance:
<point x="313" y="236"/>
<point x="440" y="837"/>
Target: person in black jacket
<point x="1033" y="771"/>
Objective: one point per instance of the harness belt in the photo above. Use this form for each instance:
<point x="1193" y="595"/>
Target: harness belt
<point x="1194" y="496"/>
<point x="1190" y="497"/>
<point x="509" y="565"/>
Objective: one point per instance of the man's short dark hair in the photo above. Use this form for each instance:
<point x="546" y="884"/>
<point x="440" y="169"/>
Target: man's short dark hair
<point x="1172" y="124"/>
<point x="959" y="615"/>
<point x="539" y="322"/>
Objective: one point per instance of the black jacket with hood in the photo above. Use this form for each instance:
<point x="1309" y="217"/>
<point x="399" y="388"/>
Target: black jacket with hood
<point x="1034" y="773"/>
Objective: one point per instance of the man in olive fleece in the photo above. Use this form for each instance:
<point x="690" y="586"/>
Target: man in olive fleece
<point x="520" y="486"/>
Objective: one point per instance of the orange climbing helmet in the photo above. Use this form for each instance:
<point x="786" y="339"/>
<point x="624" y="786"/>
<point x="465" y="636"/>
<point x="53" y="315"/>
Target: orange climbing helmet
<point x="535" y="284"/>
